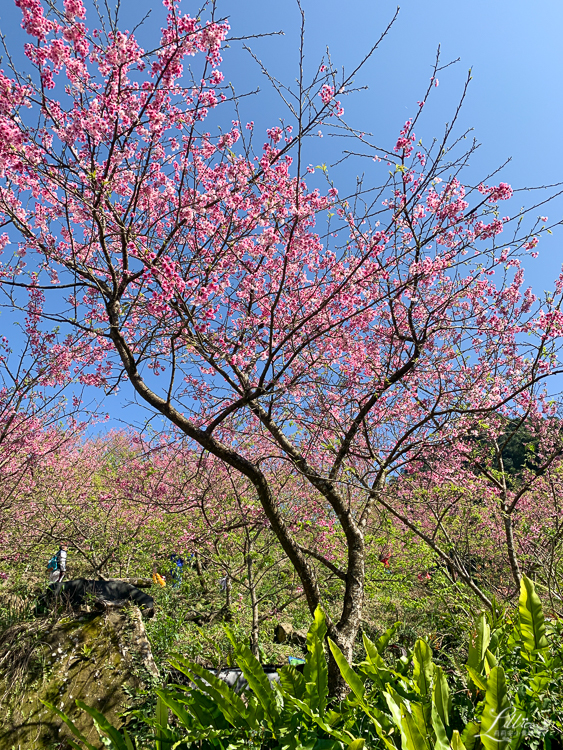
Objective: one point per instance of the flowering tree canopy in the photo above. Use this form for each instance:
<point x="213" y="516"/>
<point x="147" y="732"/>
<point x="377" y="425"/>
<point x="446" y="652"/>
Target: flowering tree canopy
<point x="267" y="320"/>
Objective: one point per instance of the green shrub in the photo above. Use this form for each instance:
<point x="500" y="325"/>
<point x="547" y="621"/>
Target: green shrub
<point x="508" y="694"/>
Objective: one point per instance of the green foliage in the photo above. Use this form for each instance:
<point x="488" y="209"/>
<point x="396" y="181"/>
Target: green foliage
<point x="291" y="715"/>
<point x="532" y="623"/>
<point x="18" y="607"/>
<point x="411" y="703"/>
<point x="165" y="628"/>
<point x="496" y="714"/>
<point x="519" y="444"/>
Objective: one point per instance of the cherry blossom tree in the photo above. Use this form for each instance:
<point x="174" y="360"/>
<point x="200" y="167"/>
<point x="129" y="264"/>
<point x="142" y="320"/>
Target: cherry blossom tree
<point x="267" y="320"/>
<point x="485" y="524"/>
<point x="113" y="499"/>
<point x="36" y="421"/>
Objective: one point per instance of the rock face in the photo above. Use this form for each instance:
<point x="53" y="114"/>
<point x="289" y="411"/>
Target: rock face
<point x="94" y="658"/>
<point x="140" y="643"/>
<point x="285" y="633"/>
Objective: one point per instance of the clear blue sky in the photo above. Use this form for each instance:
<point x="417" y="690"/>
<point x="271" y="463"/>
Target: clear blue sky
<point x="514" y="47"/>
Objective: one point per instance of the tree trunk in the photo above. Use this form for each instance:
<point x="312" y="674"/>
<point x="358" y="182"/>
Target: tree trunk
<point x="254" y="632"/>
<point x="337" y="687"/>
<point x="511" y="551"/>
<point x="349" y="623"/>
<point x="344" y="633"/>
<point x="199" y="571"/>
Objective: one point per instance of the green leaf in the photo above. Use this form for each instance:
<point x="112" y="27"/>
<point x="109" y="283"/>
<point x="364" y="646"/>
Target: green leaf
<point x="231" y="704"/>
<point x="490" y="661"/>
<point x="292" y="681"/>
<point x="357" y="744"/>
<point x="256" y="678"/>
<point x="384" y="640"/>
<point x="495" y="717"/>
<point x="478" y="679"/>
<point x="318" y="626"/>
<point x="531" y="619"/>
<point x="457" y="744"/>
<point x="470" y="735"/>
<point x="161" y="717"/>
<point x="74" y="729"/>
<point x="423" y="666"/>
<point x="394" y="702"/>
<point x="493" y="644"/>
<point x="540" y="682"/>
<point x="255" y="713"/>
<point x="380" y="676"/>
<point x="422" y="714"/>
<point x="442" y="742"/>
<point x="441" y="696"/>
<point x="199" y="706"/>
<point x="378" y="719"/>
<point x="177" y="708"/>
<point x="315" y="671"/>
<point x="479" y="645"/>
<point x="372" y="653"/>
<point x="357" y="686"/>
<point x="375" y="667"/>
<point x="306" y="709"/>
<point x="128" y="740"/>
<point x="414" y="739"/>
<point x="353" y="681"/>
<point x="114" y="734"/>
<point x="161" y="713"/>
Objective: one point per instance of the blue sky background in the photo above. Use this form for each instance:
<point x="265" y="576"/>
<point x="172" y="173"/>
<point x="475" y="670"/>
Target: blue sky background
<point x="514" y="48"/>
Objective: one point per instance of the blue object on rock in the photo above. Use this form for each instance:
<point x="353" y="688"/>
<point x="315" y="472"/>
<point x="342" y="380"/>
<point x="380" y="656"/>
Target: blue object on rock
<point x="295" y="661"/>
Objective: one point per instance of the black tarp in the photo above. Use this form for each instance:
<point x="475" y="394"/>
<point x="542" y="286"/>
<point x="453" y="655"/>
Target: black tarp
<point x="77" y="591"/>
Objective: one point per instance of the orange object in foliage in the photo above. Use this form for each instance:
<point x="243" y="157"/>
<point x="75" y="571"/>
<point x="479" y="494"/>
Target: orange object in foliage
<point x="158" y="579"/>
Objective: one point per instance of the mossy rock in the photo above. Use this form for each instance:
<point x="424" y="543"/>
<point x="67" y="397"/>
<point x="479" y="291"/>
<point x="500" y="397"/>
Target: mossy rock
<point x="94" y="659"/>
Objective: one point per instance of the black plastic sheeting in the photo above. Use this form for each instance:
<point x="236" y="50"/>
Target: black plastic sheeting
<point x="75" y="592"/>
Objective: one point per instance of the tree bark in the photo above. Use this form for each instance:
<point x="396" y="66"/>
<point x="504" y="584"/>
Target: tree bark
<point x="199" y="571"/>
<point x="510" y="548"/>
<point x="254" y="632"/>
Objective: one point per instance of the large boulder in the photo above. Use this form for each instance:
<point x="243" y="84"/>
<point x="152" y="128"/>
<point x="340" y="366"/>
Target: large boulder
<point x="98" y="658"/>
<point x="284" y="632"/>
